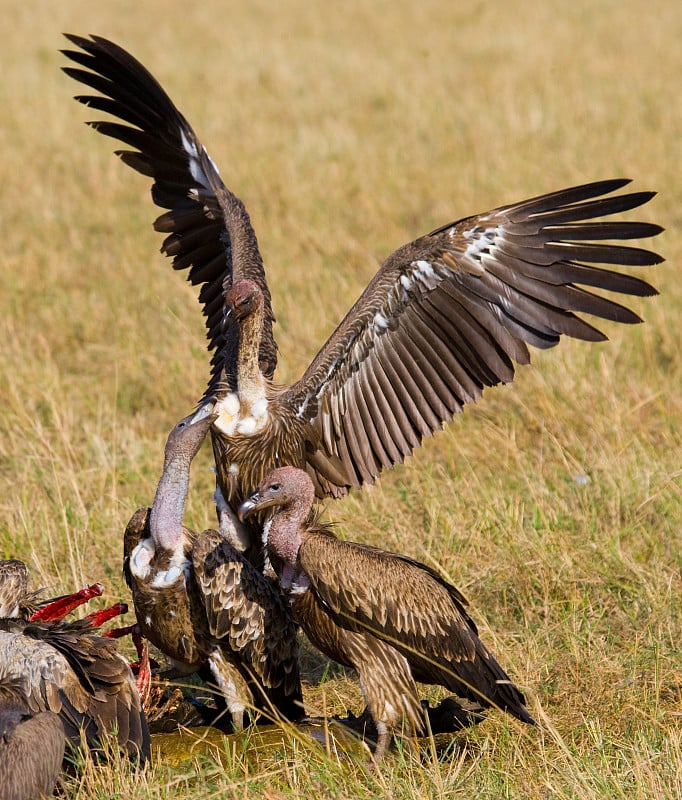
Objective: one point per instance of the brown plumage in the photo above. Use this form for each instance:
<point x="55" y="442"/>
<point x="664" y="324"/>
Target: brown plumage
<point x="445" y="316"/>
<point x="31" y="746"/>
<point x="393" y="619"/>
<point x="16" y="601"/>
<point x="201" y="602"/>
<point x="67" y="668"/>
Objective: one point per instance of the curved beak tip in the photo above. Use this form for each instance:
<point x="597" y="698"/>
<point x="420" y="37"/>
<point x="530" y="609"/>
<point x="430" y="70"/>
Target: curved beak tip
<point x="246" y="508"/>
<point x="206" y="411"/>
<point x="227" y="314"/>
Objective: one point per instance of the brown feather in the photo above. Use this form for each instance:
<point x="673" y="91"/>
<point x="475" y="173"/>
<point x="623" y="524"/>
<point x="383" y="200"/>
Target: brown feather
<point x="31" y="746"/>
<point x="392" y="618"/>
<point x="402" y="433"/>
<point x="68" y="669"/>
<point x="448" y="313"/>
<point x="162" y="136"/>
<point x="223" y="614"/>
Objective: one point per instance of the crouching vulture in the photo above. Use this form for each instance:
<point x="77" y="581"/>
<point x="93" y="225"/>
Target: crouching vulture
<point x="201" y="602"/>
<point x="445" y="316"/>
<point x="393" y="619"/>
<point x="68" y="669"/>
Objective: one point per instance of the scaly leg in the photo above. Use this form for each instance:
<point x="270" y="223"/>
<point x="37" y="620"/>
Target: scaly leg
<point x="233" y="686"/>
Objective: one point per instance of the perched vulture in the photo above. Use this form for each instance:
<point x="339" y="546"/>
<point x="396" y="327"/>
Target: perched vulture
<point x="68" y="669"/>
<point x="201" y="602"/>
<point x="445" y="315"/>
<point x="393" y="619"/>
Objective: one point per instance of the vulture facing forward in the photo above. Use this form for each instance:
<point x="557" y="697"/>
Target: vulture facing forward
<point x="393" y="619"/>
<point x="68" y="669"/>
<point x="445" y="315"/>
<point x="201" y="602"/>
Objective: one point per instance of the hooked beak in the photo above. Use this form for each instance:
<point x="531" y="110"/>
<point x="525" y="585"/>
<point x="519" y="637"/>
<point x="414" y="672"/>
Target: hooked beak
<point x="228" y="312"/>
<point x="248" y="507"/>
<point x="206" y="410"/>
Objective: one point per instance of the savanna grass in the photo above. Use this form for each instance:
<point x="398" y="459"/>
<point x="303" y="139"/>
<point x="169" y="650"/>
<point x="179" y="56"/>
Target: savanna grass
<point x="555" y="503"/>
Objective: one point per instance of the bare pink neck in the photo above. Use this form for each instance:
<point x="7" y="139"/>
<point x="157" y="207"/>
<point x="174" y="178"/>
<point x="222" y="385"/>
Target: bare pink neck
<point x="287" y="531"/>
<point x="165" y="520"/>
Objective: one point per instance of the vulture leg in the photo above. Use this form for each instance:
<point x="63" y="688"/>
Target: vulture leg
<point x="233" y="687"/>
<point x="389" y="691"/>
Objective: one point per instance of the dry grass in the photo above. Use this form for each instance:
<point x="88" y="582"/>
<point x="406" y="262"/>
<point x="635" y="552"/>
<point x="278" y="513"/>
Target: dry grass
<point x="348" y="130"/>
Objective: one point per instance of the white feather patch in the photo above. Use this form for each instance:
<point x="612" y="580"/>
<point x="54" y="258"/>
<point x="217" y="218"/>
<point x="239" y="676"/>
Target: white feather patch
<point x="259" y="408"/>
<point x="140" y="559"/>
<point x="380" y="323"/>
<point x="425" y="274"/>
<point x="168" y="577"/>
<point x="246" y="426"/>
<point x="481" y="240"/>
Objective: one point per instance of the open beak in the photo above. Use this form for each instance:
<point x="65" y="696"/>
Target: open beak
<point x="248" y="507"/>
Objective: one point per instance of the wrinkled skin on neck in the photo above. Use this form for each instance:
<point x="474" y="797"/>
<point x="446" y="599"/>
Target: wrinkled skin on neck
<point x="288" y="494"/>
<point x="182" y="445"/>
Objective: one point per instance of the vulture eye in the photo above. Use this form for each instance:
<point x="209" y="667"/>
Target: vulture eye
<point x="275" y="487"/>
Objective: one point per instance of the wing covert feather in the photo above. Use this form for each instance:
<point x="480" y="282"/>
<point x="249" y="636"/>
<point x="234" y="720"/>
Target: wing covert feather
<point x="453" y="311"/>
<point x="398" y="600"/>
<point x="245" y="611"/>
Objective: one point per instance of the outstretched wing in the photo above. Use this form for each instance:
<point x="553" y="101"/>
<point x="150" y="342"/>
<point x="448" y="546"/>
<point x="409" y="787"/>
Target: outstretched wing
<point x="450" y="313"/>
<point x="209" y="230"/>
<point x="246" y="612"/>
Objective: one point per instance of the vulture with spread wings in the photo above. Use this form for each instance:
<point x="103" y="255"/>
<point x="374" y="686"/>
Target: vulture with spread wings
<point x="445" y="315"/>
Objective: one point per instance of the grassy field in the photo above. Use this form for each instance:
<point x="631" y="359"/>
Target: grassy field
<point x="555" y="504"/>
